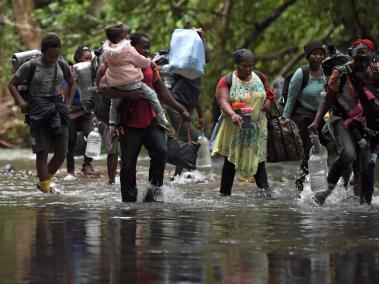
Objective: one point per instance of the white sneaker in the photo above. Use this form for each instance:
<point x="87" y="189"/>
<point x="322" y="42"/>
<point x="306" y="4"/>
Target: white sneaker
<point x="69" y="177"/>
<point x="54" y="188"/>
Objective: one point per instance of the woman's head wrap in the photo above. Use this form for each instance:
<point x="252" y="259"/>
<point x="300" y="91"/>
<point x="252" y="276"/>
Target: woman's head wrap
<point x="242" y="55"/>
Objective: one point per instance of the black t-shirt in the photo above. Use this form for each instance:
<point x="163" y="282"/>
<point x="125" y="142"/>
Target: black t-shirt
<point x="186" y="91"/>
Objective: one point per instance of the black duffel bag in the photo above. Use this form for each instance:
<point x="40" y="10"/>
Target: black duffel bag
<point x="284" y="141"/>
<point x="181" y="153"/>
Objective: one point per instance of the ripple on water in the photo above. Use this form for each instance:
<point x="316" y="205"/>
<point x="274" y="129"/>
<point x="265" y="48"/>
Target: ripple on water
<point x="191" y="191"/>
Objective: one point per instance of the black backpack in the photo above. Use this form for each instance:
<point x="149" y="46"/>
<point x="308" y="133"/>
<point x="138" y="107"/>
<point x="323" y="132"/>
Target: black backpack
<point x="287" y="80"/>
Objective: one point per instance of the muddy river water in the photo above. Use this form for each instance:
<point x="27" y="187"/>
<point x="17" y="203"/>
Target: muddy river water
<point x="191" y="235"/>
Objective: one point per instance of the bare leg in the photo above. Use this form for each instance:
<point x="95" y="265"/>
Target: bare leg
<point x="55" y="162"/>
<point x="41" y="166"/>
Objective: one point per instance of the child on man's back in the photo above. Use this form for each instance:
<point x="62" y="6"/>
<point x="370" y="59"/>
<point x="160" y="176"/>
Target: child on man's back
<point x="122" y="70"/>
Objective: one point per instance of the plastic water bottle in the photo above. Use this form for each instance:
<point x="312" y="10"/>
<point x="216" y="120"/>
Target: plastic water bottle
<point x="93" y="147"/>
<point x="318" y="165"/>
<point x="204" y="153"/>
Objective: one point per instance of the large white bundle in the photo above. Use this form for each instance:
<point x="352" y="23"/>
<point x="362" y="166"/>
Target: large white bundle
<point x="187" y="54"/>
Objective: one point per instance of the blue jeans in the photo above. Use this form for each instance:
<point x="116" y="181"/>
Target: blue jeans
<point x="347" y="153"/>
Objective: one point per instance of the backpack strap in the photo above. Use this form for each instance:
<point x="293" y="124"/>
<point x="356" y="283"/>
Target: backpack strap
<point x="342" y="70"/>
<point x="337" y="109"/>
<point x="304" y="82"/>
<point x="261" y="76"/>
<point x="64" y="67"/>
<point x="229" y="79"/>
<point x="33" y="66"/>
<point x="95" y="66"/>
<point x="357" y="83"/>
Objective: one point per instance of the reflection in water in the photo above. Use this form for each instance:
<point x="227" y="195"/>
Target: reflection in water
<point x="137" y="246"/>
<point x="87" y="235"/>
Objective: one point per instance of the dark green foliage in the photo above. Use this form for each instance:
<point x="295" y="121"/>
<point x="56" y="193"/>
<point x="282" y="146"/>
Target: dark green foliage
<point x="275" y="29"/>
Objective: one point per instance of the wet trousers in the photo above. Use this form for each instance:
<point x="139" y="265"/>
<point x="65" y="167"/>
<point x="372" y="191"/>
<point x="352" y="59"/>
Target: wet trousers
<point x="303" y="118"/>
<point x="84" y="124"/>
<point x="154" y="140"/>
<point x="229" y="171"/>
<point x="348" y="152"/>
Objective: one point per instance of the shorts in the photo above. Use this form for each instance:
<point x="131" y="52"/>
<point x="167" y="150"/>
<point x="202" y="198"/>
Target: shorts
<point x="44" y="139"/>
<point x="112" y="145"/>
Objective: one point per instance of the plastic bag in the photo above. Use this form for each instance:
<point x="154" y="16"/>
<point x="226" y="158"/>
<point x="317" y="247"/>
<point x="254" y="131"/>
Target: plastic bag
<point x="187" y="54"/>
<point x="182" y="154"/>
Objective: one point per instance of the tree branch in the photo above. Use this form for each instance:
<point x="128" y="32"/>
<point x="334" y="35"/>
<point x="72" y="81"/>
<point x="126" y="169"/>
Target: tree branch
<point x="295" y="60"/>
<point x="260" y="27"/>
<point x="20" y="26"/>
<point x="360" y="30"/>
<point x="277" y="54"/>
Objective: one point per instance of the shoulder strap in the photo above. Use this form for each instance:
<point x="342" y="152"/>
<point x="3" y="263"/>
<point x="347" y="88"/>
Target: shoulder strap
<point x="342" y="70"/>
<point x="95" y="65"/>
<point x="64" y="67"/>
<point x="261" y="76"/>
<point x="54" y="86"/>
<point x="304" y="82"/>
<point x="61" y="65"/>
<point x="229" y="79"/>
<point x="33" y="65"/>
<point x="337" y="109"/>
<point x="357" y="83"/>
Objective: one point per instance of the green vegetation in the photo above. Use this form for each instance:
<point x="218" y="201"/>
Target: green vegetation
<point x="275" y="29"/>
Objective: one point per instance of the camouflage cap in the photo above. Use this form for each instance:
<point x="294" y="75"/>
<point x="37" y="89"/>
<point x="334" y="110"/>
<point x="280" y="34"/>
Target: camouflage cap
<point x="360" y="50"/>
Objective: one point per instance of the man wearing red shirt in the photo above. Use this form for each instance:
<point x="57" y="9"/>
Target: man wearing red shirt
<point x="140" y="129"/>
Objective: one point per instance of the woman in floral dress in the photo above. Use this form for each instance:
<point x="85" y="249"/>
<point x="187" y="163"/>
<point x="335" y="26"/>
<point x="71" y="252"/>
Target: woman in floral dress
<point x="244" y="147"/>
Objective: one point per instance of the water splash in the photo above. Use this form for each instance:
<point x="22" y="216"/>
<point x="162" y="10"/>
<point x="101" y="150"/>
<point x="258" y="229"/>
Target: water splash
<point x="189" y="177"/>
<point x="339" y="195"/>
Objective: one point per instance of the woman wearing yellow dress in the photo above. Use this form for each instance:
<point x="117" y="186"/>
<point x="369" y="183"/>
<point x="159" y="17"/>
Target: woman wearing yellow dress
<point x="242" y="143"/>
